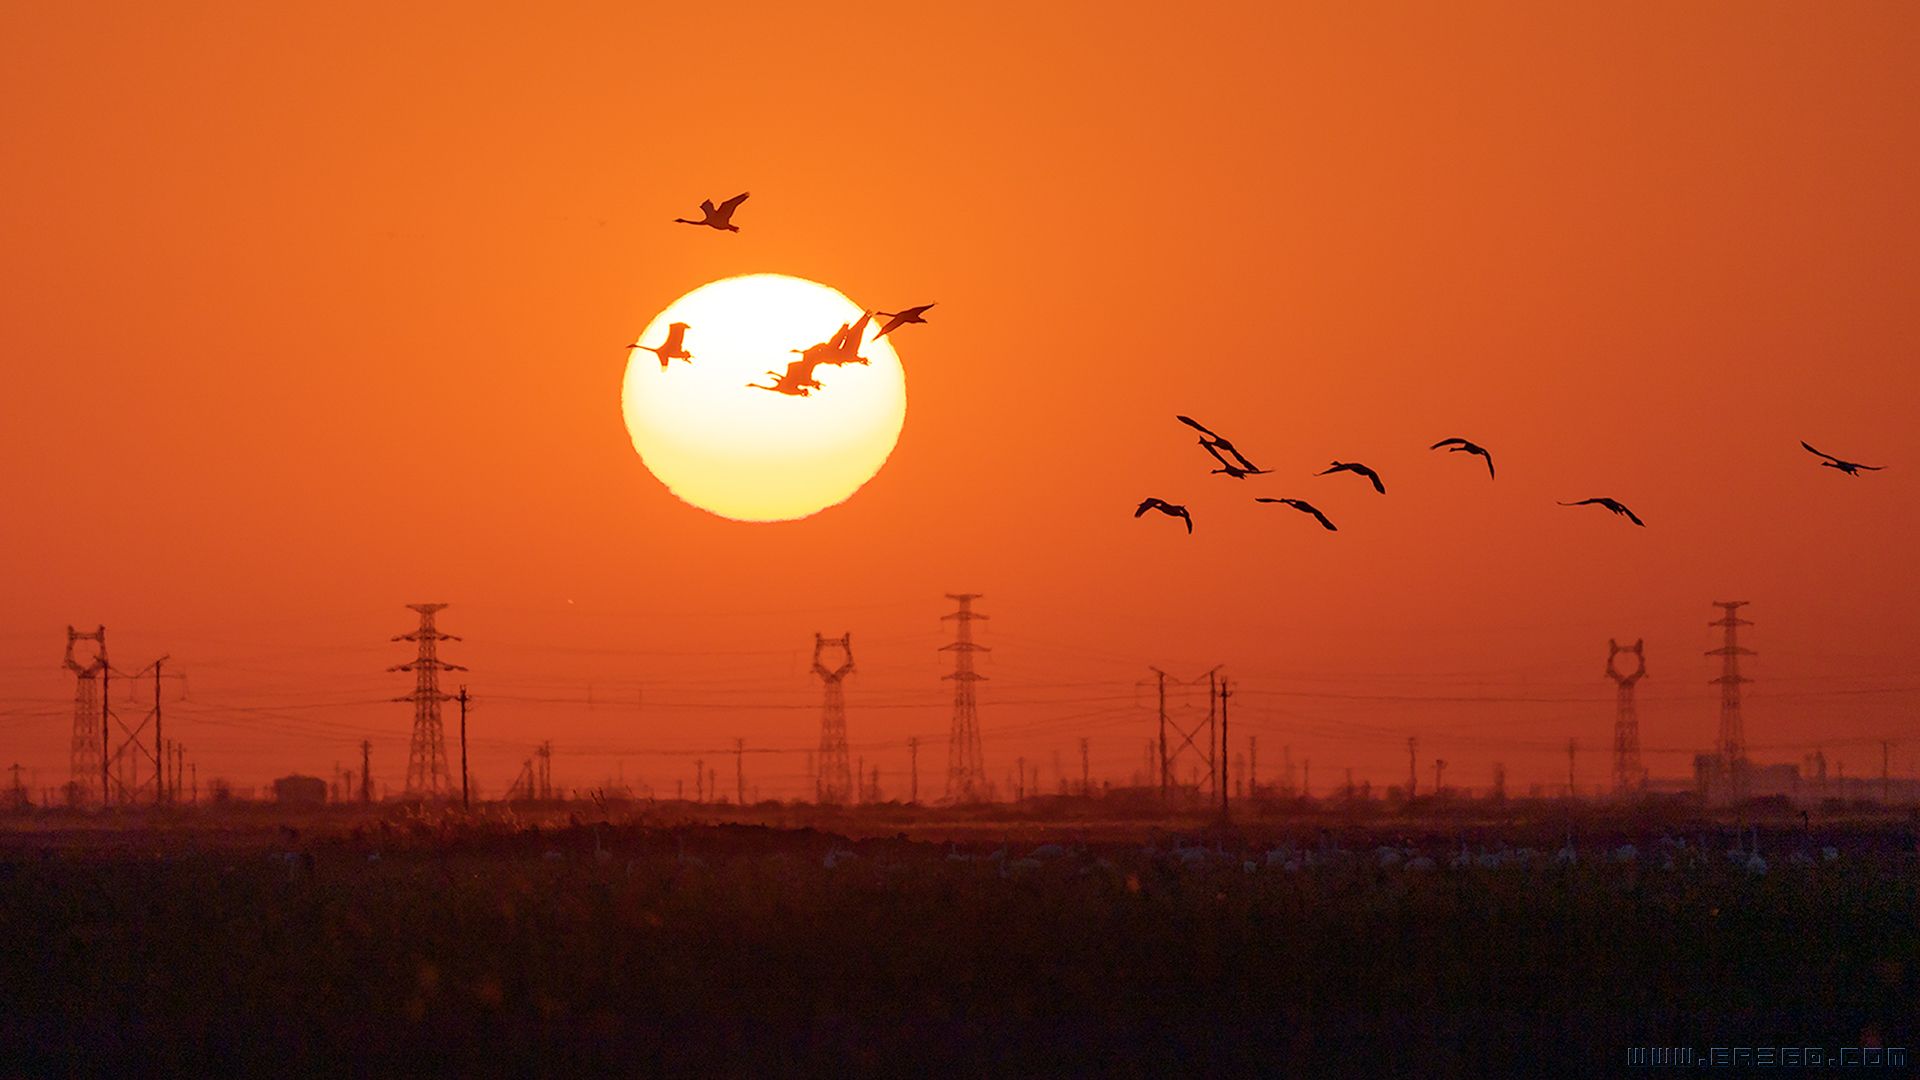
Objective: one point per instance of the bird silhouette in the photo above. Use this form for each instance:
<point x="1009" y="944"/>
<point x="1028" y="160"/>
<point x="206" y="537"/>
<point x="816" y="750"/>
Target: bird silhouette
<point x="1166" y="508"/>
<point x="1358" y="469"/>
<point x="842" y="348"/>
<point x="1239" y="468"/>
<point x="897" y="319"/>
<point x="798" y="379"/>
<point x="1238" y="472"/>
<point x="673" y="349"/>
<point x="1304" y="507"/>
<point x="1612" y="504"/>
<point x="1467" y="448"/>
<point x="1851" y="468"/>
<point x="717" y="217"/>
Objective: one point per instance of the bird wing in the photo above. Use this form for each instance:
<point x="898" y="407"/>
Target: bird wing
<point x="706" y="207"/>
<point x="1631" y="516"/>
<point x="1146" y="505"/>
<point x="1489" y="458"/>
<point x="1215" y="451"/>
<point x="1188" y="518"/>
<point x="1817" y="453"/>
<point x="1263" y="498"/>
<point x="1334" y="468"/>
<point x="730" y="205"/>
<point x="1197" y="426"/>
<point x="1315" y="511"/>
<point x="892" y="321"/>
<point x="921" y="310"/>
<point x="1582" y="502"/>
<point x="1870" y="468"/>
<point x="1373" y="476"/>
<point x="1238" y="456"/>
<point x="1447" y="442"/>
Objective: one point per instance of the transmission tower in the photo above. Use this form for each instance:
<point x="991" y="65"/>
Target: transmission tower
<point x="1733" y="734"/>
<point x="1628" y="776"/>
<point x="427" y="774"/>
<point x="833" y="785"/>
<point x="966" y="767"/>
<point x="87" y="777"/>
<point x="1187" y="732"/>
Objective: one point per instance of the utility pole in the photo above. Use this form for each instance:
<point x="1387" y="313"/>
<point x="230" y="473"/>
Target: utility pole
<point x="1628" y="776"/>
<point x="366" y="771"/>
<point x="1413" y="768"/>
<point x="1439" y="768"/>
<point x="913" y="756"/>
<point x="1253" y="766"/>
<point x="466" y="799"/>
<point x="1306" y="778"/>
<point x="1163" y="733"/>
<point x="834" y="784"/>
<point x="1573" y="747"/>
<point x="1499" y="782"/>
<point x="1020" y="779"/>
<point x="1086" y="774"/>
<point x="427" y="753"/>
<point x="699" y="780"/>
<point x="1225" y="693"/>
<point x="159" y="741"/>
<point x="966" y="766"/>
<point x="1733" y="735"/>
<point x="740" y="770"/>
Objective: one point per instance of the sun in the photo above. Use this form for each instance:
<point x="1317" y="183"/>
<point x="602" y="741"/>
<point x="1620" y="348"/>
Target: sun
<point x="751" y="454"/>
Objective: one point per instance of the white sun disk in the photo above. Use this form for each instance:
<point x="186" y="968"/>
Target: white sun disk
<point x="756" y="455"/>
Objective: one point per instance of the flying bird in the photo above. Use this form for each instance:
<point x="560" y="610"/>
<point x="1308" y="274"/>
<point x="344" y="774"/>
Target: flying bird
<point x="1215" y="444"/>
<point x="843" y="347"/>
<point x="1851" y="468"/>
<point x="1166" y="508"/>
<point x="1357" y="469"/>
<point x="1612" y="504"/>
<point x="1238" y="472"/>
<point x="897" y="319"/>
<point x="673" y="349"/>
<point x="1460" y="446"/>
<point x="1304" y="507"/>
<point x="717" y="217"/>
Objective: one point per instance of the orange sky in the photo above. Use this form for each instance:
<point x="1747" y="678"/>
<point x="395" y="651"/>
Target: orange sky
<point x="311" y="315"/>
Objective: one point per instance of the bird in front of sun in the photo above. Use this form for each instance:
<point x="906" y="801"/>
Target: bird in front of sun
<point x="717" y="217"/>
<point x="674" y="348"/>
<point x="898" y="319"/>
<point x="1167" y="508"/>
<point x="1462" y="446"/>
<point x="1357" y="469"/>
<point x="1851" y="468"/>
<point x="1614" y="505"/>
<point x="1239" y="468"/>
<point x="1304" y="507"/>
<point x="796" y="381"/>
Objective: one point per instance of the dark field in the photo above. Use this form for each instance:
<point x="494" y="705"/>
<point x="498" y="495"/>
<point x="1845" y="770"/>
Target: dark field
<point x="640" y="944"/>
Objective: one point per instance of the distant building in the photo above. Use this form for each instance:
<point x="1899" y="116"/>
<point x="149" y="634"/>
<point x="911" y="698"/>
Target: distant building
<point x="300" y="791"/>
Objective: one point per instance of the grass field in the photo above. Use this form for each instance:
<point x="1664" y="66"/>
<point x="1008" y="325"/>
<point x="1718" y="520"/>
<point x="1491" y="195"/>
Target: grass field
<point x="645" y="944"/>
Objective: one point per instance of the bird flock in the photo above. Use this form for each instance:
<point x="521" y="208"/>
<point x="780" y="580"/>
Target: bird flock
<point x="797" y="379"/>
<point x="1236" y="465"/>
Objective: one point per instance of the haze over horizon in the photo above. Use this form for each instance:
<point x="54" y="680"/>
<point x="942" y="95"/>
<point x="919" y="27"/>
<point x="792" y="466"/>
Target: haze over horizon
<point x="306" y="324"/>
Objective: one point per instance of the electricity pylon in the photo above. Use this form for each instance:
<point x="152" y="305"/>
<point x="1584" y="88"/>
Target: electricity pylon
<point x="1628" y="776"/>
<point x="966" y="767"/>
<point x="834" y="783"/>
<point x="87" y="777"/>
<point x="1733" y="733"/>
<point x="427" y="773"/>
